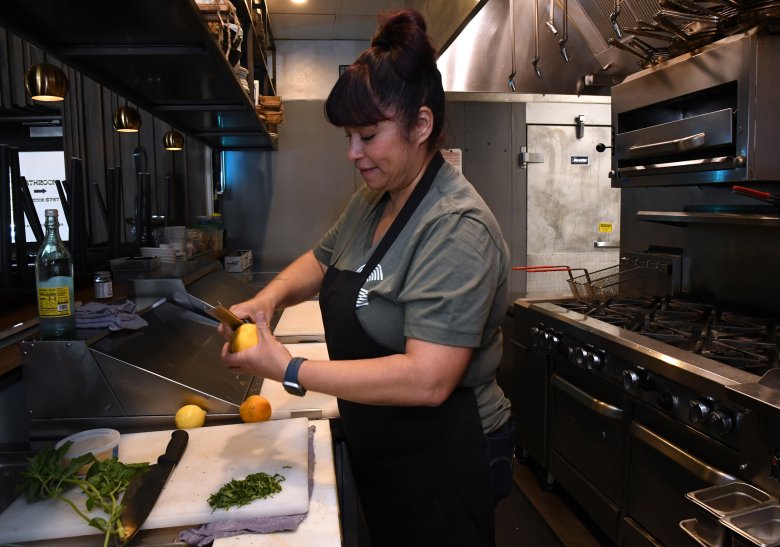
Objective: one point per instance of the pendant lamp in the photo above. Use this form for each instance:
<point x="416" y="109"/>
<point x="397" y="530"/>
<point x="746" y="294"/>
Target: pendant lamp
<point x="46" y="82"/>
<point x="127" y="120"/>
<point x="173" y="140"/>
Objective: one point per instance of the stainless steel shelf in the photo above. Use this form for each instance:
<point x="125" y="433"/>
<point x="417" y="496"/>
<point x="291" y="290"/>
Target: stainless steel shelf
<point x="682" y="218"/>
<point x="158" y="54"/>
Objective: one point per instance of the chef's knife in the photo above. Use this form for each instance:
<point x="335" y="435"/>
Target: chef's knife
<point x="220" y="313"/>
<point x="144" y="489"/>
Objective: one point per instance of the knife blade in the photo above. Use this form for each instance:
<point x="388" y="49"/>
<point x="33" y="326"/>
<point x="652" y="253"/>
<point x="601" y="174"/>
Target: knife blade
<point x="219" y="312"/>
<point x="144" y="489"/>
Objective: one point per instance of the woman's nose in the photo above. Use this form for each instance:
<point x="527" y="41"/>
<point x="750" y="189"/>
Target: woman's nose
<point x="354" y="149"/>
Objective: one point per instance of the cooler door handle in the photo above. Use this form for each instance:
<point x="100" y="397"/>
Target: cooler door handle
<point x="691" y="463"/>
<point x="683" y="144"/>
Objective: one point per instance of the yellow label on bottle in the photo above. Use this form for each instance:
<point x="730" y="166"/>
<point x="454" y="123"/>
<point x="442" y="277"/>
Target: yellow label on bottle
<point x="53" y="301"/>
<point x="605" y="227"/>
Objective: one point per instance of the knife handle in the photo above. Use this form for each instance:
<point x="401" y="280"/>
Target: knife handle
<point x="175" y="448"/>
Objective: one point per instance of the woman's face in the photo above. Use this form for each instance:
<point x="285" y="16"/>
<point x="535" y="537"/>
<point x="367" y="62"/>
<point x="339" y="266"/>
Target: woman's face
<point x="385" y="158"/>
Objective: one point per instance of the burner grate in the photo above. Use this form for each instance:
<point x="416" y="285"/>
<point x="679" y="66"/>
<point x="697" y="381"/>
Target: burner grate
<point x="746" y="342"/>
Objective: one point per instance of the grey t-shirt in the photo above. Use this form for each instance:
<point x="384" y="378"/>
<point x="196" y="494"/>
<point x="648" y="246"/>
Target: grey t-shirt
<point x="443" y="280"/>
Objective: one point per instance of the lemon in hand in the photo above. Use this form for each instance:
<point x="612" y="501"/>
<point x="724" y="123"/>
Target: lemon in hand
<point x="244" y="337"/>
<point x="190" y="416"/>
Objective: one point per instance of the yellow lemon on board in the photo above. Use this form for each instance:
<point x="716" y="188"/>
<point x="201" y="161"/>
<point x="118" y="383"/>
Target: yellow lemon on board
<point x="255" y="408"/>
<point x="190" y="416"/>
<point x="244" y="337"/>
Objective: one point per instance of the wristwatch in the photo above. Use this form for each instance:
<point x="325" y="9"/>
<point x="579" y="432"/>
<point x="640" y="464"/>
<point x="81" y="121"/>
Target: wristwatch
<point x="290" y="383"/>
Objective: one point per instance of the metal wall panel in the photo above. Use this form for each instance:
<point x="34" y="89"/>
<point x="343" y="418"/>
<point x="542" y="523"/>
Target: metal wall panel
<point x="280" y="203"/>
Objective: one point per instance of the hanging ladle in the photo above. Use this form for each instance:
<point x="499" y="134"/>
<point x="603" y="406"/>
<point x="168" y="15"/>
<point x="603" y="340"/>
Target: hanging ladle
<point x="613" y="19"/>
<point x="512" y="30"/>
<point x="535" y="60"/>
<point x="565" y="38"/>
<point x="550" y="22"/>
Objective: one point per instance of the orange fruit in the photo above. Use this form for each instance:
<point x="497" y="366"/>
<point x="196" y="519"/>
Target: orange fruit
<point x="255" y="408"/>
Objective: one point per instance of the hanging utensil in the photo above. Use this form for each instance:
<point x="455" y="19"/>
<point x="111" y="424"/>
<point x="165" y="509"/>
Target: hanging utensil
<point x="512" y="30"/>
<point x="535" y="60"/>
<point x="613" y="19"/>
<point x="620" y="45"/>
<point x="565" y="38"/>
<point x="551" y="22"/>
<point x="758" y="194"/>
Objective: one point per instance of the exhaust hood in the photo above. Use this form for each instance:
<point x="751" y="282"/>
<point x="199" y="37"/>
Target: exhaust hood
<point x="479" y="58"/>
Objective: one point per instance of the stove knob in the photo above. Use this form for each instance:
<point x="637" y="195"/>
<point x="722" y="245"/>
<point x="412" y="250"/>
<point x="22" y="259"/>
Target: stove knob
<point x="594" y="361"/>
<point x="551" y="340"/>
<point x="667" y="401"/>
<point x="720" y="422"/>
<point x="580" y="357"/>
<point x="698" y="411"/>
<point x="567" y="351"/>
<point x="537" y="336"/>
<point x="630" y="379"/>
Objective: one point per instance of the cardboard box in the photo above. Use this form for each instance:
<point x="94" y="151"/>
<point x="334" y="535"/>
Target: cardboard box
<point x="238" y="261"/>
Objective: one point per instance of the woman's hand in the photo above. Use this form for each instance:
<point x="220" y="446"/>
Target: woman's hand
<point x="247" y="310"/>
<point x="268" y="359"/>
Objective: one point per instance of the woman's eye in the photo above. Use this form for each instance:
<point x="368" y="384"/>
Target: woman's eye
<point x="366" y="138"/>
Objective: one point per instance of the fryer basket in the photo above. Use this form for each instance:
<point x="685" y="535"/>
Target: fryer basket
<point x="624" y="279"/>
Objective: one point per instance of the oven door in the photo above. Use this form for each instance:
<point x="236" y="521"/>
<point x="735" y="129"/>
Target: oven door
<point x="588" y="446"/>
<point x="668" y="460"/>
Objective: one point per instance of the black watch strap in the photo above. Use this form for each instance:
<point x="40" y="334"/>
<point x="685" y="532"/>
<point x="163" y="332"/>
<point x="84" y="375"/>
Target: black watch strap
<point x="290" y="383"/>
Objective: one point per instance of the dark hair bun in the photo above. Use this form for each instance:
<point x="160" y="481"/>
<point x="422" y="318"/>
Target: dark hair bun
<point x="402" y="34"/>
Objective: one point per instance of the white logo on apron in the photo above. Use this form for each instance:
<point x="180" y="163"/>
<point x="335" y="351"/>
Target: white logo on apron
<point x="376" y="275"/>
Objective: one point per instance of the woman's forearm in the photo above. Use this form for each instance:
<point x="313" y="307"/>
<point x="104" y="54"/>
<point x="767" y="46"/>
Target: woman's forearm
<point x="297" y="282"/>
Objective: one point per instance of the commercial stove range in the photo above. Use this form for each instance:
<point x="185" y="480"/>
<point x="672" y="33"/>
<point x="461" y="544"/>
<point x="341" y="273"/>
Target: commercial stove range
<point x="628" y="405"/>
<point x="747" y="342"/>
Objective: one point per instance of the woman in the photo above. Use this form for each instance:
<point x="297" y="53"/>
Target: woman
<point x="412" y="288"/>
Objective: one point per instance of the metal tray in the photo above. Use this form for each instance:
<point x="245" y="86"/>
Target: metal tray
<point x="733" y="497"/>
<point x="716" y="502"/>
<point x="760" y="526"/>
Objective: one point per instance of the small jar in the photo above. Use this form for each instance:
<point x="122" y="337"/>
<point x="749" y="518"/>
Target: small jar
<point x="104" y="287"/>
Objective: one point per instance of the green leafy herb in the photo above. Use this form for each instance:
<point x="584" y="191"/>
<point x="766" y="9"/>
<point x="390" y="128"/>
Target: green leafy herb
<point x="238" y="493"/>
<point x="46" y="478"/>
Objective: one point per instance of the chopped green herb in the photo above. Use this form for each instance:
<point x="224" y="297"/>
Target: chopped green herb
<point x="238" y="493"/>
<point x="46" y="478"/>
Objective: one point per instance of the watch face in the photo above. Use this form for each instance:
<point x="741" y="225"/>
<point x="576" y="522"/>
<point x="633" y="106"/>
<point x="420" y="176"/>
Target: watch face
<point x="294" y="389"/>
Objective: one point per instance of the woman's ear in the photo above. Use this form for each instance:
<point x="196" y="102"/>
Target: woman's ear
<point x="423" y="126"/>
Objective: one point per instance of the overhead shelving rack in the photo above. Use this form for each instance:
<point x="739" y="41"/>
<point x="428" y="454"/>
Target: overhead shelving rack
<point x="159" y="54"/>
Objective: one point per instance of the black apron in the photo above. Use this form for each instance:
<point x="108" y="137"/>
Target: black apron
<point x="420" y="472"/>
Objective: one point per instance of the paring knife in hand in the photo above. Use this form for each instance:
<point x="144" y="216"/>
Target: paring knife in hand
<point x="145" y="488"/>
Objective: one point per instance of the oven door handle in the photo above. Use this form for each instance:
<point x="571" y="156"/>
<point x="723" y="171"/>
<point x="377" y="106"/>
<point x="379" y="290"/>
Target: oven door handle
<point x="596" y="405"/>
<point x="695" y="466"/>
<point x="683" y="144"/>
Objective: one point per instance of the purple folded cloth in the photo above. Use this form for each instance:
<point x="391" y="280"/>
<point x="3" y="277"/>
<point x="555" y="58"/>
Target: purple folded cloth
<point x="97" y="315"/>
<point x="207" y="533"/>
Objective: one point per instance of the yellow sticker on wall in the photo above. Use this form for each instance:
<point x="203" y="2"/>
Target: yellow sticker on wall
<point x="605" y="227"/>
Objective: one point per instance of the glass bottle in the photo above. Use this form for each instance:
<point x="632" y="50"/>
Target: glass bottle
<point x="54" y="283"/>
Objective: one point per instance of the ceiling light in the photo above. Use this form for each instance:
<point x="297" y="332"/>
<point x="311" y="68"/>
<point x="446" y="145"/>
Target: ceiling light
<point x="173" y="140"/>
<point x="298" y="1"/>
<point x="127" y="120"/>
<point x="46" y="82"/>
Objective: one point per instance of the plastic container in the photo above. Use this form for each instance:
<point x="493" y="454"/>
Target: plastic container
<point x="102" y="443"/>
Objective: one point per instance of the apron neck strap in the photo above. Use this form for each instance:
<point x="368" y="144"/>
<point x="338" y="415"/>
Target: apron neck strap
<point x="406" y="212"/>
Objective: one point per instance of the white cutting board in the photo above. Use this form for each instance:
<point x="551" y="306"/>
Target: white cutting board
<point x="302" y="320"/>
<point x="213" y="457"/>
<point x="283" y="404"/>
